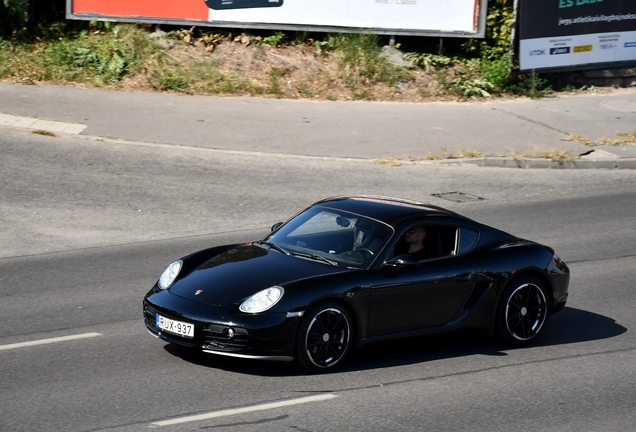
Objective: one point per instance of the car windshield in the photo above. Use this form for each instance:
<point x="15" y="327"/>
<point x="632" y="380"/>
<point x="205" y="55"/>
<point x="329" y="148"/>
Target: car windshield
<point x="344" y="238"/>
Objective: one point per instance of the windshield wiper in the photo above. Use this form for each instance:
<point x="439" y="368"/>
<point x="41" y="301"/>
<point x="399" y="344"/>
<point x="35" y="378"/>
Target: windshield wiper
<point x="315" y="257"/>
<point x="273" y="246"/>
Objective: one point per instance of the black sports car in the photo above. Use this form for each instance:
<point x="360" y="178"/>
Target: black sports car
<point x="339" y="274"/>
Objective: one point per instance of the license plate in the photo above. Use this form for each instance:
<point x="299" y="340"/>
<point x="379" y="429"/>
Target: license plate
<point x="176" y="327"/>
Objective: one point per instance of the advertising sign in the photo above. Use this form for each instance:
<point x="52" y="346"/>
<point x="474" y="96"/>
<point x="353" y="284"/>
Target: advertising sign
<point x="460" y="18"/>
<point x="564" y="33"/>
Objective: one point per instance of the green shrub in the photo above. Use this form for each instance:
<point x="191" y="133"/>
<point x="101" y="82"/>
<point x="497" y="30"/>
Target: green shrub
<point x="274" y="39"/>
<point x="169" y="80"/>
<point x="107" y="57"/>
<point x="37" y="43"/>
<point x="361" y="59"/>
<point x="466" y="86"/>
<point x="533" y="85"/>
<point x="427" y="61"/>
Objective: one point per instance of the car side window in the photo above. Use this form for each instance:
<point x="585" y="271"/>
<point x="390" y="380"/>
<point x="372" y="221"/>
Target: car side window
<point x="467" y="240"/>
<point x="444" y="239"/>
<point x="438" y="241"/>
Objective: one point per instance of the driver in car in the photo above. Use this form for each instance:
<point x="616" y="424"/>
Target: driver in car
<point x="414" y="238"/>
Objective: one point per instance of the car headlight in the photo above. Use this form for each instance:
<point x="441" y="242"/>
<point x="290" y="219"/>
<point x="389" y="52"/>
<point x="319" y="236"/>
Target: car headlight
<point x="262" y="300"/>
<point x="170" y="274"/>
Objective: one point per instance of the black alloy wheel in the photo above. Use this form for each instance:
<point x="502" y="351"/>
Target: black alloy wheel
<point x="522" y="312"/>
<point x="324" y="337"/>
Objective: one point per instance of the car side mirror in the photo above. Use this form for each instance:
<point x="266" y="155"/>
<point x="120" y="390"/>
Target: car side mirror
<point x="276" y="226"/>
<point x="405" y="260"/>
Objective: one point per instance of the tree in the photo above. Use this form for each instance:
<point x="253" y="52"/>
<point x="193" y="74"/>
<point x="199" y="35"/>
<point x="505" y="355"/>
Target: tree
<point x="14" y="15"/>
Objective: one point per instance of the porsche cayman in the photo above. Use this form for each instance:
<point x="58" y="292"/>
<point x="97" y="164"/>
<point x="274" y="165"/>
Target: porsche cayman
<point x="337" y="275"/>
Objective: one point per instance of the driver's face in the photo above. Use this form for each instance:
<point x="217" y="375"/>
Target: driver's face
<point x="414" y="235"/>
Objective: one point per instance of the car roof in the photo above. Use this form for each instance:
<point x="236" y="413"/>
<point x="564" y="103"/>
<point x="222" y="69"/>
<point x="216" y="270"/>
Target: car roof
<point x="386" y="209"/>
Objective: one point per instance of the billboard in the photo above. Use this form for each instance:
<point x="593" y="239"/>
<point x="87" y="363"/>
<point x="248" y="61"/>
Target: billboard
<point x="566" y="33"/>
<point x="460" y="18"/>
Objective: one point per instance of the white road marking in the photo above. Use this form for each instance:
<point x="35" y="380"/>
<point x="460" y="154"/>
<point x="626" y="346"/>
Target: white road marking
<point x="48" y="341"/>
<point x="236" y="411"/>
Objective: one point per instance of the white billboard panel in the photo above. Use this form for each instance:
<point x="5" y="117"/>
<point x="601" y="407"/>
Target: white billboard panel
<point x="460" y="18"/>
<point x="449" y="15"/>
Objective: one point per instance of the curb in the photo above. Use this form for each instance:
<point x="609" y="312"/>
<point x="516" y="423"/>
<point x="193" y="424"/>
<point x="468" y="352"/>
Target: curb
<point x="529" y="163"/>
<point x="75" y="129"/>
<point x="32" y="123"/>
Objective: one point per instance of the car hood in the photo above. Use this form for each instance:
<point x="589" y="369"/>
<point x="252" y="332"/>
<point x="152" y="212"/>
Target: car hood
<point x="237" y="273"/>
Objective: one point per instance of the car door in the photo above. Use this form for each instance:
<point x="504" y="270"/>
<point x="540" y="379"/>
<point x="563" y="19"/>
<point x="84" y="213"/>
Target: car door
<point x="429" y="294"/>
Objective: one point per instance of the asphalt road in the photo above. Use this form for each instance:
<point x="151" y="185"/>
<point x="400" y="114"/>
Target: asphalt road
<point x="88" y="226"/>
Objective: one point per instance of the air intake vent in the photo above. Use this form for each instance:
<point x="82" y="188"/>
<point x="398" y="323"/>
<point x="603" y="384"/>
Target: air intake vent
<point x="224" y="338"/>
<point x="478" y="290"/>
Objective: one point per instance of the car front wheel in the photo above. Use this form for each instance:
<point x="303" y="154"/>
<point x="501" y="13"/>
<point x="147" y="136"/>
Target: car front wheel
<point x="324" y="337"/>
<point x="522" y="312"/>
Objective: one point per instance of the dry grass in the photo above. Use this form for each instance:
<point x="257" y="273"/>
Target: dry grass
<point x="578" y="138"/>
<point x="555" y="154"/>
<point x="344" y="68"/>
<point x="296" y="72"/>
<point x="443" y="153"/>
<point x="470" y="154"/>
<point x="526" y="154"/>
<point x="387" y="161"/>
<point x="624" y="138"/>
<point x="127" y="58"/>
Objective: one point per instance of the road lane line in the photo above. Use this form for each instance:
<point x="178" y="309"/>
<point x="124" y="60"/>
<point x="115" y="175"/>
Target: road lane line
<point x="236" y="411"/>
<point x="48" y="341"/>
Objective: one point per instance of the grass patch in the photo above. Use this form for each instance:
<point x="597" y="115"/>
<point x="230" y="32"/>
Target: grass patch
<point x="204" y="77"/>
<point x="470" y="154"/>
<point x="360" y="60"/>
<point x="96" y="57"/>
<point x="427" y="61"/>
<point x="526" y="154"/>
<point x="624" y="138"/>
<point x="555" y="154"/>
<point x="579" y="139"/>
<point x="387" y="161"/>
<point x="269" y="63"/>
<point x="441" y="154"/>
<point x="463" y="154"/>
<point x="44" y="132"/>
<point x="308" y="92"/>
<point x="533" y="85"/>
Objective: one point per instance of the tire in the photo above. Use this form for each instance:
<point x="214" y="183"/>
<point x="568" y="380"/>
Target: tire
<point x="522" y="312"/>
<point x="324" y="337"/>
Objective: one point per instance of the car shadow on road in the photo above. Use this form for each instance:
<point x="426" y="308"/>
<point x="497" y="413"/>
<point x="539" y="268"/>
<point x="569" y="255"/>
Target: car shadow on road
<point x="569" y="326"/>
<point x="576" y="325"/>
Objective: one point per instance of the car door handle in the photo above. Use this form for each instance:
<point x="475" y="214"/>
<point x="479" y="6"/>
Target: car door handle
<point x="464" y="277"/>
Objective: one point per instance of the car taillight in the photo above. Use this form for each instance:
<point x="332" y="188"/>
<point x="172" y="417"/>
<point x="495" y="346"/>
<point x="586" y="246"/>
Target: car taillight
<point x="557" y="261"/>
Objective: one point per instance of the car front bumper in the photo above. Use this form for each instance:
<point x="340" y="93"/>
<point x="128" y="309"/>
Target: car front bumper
<point x="217" y="330"/>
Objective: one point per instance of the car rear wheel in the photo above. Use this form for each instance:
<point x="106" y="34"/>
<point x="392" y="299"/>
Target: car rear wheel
<point x="522" y="312"/>
<point x="324" y="337"/>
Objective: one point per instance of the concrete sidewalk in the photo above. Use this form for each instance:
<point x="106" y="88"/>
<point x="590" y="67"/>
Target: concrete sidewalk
<point x="514" y="133"/>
